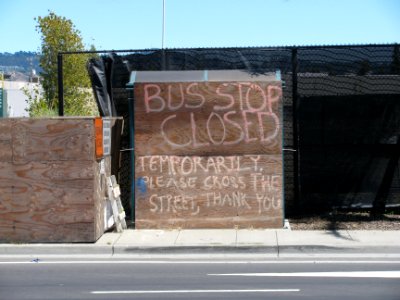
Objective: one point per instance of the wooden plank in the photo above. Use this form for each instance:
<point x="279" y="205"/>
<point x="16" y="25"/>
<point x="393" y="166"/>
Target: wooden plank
<point x="50" y="215"/>
<point x="16" y="232"/>
<point x="51" y="175"/>
<point x="26" y="219"/>
<point x="101" y="170"/>
<point x="208" y="118"/>
<point x="209" y="192"/>
<point x="52" y="139"/>
<point x="39" y="201"/>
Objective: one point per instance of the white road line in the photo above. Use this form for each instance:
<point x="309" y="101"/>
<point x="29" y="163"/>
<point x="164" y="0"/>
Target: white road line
<point x="196" y="291"/>
<point x="350" y="274"/>
<point x="61" y="262"/>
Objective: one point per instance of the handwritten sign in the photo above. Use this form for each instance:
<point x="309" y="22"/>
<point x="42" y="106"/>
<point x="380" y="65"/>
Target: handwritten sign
<point x="207" y="118"/>
<point x="208" y="154"/>
<point x="208" y="192"/>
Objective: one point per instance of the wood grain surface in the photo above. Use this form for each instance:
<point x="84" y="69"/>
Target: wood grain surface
<point x="209" y="191"/>
<point x="5" y="140"/>
<point x="53" y="140"/>
<point x="208" y="155"/>
<point x="208" y="118"/>
<point x="51" y="186"/>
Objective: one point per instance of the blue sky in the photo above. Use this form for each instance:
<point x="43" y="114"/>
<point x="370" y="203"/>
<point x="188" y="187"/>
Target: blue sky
<point x="136" y="24"/>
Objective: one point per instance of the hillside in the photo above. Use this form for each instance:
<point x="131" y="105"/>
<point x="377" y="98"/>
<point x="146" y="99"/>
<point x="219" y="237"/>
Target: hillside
<point x="21" y="61"/>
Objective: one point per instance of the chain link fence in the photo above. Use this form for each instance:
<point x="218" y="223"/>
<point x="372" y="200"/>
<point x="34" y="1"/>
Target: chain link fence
<point x="341" y="116"/>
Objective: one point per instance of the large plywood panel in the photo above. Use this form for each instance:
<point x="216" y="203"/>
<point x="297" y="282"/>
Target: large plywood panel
<point x="208" y="154"/>
<point x="51" y="186"/>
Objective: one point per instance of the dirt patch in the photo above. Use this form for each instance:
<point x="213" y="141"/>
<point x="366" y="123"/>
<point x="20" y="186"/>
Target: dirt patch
<point x="346" y="221"/>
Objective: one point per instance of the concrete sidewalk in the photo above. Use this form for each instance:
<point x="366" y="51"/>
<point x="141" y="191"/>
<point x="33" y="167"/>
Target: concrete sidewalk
<point x="268" y="243"/>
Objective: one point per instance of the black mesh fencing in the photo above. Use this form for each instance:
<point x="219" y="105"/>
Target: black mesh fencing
<point x="348" y="127"/>
<point x="341" y="117"/>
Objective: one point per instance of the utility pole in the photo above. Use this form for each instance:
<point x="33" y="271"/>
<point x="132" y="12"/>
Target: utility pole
<point x="163" y="59"/>
<point x="163" y="26"/>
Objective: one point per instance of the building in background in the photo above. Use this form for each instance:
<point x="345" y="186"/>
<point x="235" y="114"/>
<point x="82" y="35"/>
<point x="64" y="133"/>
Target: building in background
<point x="13" y="100"/>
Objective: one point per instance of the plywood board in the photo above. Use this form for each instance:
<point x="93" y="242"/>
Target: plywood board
<point x="208" y="118"/>
<point x="39" y="198"/>
<point x="209" y="192"/>
<point x="51" y="185"/>
<point x="208" y="154"/>
<point x="52" y="140"/>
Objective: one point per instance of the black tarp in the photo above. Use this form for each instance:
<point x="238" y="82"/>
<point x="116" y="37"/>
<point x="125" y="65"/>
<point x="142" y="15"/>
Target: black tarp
<point x="101" y="73"/>
<point x="349" y="151"/>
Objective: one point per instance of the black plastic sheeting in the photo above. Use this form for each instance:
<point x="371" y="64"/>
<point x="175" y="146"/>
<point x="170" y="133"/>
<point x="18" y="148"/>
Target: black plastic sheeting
<point x="349" y="151"/>
<point x="341" y="117"/>
<point x="101" y="74"/>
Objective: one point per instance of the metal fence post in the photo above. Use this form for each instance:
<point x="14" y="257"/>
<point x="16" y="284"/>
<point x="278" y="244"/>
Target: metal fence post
<point x="163" y="60"/>
<point x="60" y="85"/>
<point x="131" y="115"/>
<point x="295" y="107"/>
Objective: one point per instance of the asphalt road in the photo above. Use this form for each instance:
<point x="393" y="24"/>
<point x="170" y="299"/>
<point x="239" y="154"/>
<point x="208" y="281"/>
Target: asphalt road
<point x="190" y="279"/>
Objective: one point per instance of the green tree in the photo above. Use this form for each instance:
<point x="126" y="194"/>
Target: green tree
<point x="58" y="34"/>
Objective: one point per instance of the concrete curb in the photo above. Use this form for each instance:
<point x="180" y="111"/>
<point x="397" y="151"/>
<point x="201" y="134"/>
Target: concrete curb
<point x="68" y="250"/>
<point x="55" y="249"/>
<point x="268" y="243"/>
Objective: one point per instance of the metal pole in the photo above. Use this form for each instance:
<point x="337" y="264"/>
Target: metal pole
<point x="60" y="85"/>
<point x="163" y="25"/>
<point x="163" y="59"/>
<point x="295" y="107"/>
<point x="131" y="114"/>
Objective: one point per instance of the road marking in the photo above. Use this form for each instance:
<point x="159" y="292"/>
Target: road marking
<point x="351" y="274"/>
<point x="44" y="261"/>
<point x="196" y="291"/>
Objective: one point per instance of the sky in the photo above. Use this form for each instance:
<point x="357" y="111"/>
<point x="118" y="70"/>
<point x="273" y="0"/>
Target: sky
<point x="137" y="24"/>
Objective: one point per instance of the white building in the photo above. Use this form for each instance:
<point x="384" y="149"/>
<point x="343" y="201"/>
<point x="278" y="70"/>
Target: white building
<point x="14" y="99"/>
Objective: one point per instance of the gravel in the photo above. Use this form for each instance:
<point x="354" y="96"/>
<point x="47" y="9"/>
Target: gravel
<point x="346" y="221"/>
